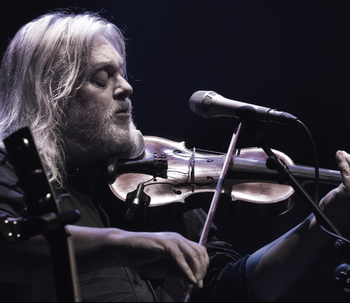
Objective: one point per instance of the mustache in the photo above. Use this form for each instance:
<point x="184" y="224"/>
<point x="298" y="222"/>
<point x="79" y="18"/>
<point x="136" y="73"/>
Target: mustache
<point x="122" y="106"/>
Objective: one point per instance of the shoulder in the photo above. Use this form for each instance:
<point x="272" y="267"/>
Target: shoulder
<point x="11" y="195"/>
<point x="7" y="173"/>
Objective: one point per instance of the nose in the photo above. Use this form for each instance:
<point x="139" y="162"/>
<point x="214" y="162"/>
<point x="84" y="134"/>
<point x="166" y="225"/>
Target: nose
<point x="123" y="89"/>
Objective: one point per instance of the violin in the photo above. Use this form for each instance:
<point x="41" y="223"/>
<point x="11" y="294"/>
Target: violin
<point x="168" y="179"/>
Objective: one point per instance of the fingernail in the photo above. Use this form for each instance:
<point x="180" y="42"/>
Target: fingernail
<point x="200" y="284"/>
<point x="340" y="153"/>
<point x="194" y="280"/>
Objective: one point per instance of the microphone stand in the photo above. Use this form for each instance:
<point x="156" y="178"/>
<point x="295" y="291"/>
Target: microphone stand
<point x="285" y="175"/>
<point x="342" y="272"/>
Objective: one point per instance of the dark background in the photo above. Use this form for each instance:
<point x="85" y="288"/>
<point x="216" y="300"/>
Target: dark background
<point x="289" y="55"/>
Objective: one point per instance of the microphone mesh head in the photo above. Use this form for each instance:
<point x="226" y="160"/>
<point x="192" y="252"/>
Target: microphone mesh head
<point x="196" y="102"/>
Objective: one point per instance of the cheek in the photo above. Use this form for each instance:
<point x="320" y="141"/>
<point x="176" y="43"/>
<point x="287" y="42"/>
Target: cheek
<point x="92" y="100"/>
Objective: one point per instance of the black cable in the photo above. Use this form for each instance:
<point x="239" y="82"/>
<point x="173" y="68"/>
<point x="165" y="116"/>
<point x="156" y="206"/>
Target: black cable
<point x="317" y="182"/>
<point x="334" y="235"/>
<point x="338" y="237"/>
<point x="317" y="173"/>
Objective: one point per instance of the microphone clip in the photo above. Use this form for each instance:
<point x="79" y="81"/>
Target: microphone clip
<point x="136" y="199"/>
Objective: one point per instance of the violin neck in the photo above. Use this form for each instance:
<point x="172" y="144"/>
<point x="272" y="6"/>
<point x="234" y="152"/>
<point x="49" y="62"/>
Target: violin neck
<point x="305" y="173"/>
<point x="308" y="173"/>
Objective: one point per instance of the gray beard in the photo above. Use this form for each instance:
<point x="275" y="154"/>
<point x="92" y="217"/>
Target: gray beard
<point x="89" y="138"/>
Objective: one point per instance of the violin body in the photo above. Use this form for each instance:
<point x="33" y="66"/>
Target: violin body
<point x="177" y="179"/>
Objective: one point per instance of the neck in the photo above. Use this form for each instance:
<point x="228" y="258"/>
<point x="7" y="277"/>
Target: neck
<point x="93" y="172"/>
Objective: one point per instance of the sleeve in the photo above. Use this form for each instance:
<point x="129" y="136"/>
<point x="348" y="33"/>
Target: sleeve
<point x="226" y="277"/>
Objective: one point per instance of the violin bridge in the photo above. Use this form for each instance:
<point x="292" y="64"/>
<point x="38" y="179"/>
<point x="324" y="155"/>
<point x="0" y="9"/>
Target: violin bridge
<point x="192" y="163"/>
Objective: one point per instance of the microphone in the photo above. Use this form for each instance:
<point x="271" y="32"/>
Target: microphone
<point x="210" y="104"/>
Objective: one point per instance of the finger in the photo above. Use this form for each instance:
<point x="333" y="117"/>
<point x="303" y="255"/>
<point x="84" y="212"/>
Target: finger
<point x="343" y="160"/>
<point x="178" y="257"/>
<point x="200" y="264"/>
<point x="196" y="258"/>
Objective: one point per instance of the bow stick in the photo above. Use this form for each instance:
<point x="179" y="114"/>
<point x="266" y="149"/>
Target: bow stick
<point x="214" y="203"/>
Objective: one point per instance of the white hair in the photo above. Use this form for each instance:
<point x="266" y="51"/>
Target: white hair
<point x="41" y="71"/>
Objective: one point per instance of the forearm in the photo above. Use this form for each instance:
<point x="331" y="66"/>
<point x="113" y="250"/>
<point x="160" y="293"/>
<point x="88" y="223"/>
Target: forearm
<point x="30" y="261"/>
<point x="274" y="268"/>
<point x="154" y="255"/>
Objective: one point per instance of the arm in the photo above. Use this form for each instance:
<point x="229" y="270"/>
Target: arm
<point x="281" y="262"/>
<point x="152" y="254"/>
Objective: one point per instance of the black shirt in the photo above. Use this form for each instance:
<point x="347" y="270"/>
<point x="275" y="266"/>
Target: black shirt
<point x="225" y="281"/>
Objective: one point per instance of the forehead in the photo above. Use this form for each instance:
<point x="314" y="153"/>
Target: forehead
<point x="103" y="53"/>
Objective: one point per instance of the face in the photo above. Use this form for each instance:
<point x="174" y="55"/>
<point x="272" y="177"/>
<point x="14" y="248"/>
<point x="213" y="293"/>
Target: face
<point x="99" y="122"/>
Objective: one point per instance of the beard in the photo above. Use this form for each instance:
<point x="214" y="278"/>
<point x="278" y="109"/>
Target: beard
<point x="92" y="135"/>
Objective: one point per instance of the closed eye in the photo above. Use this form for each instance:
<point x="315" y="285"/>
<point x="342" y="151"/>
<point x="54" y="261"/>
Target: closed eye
<point x="100" y="78"/>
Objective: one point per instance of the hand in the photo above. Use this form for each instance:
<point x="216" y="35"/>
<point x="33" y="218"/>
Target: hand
<point x="156" y="255"/>
<point x="336" y="203"/>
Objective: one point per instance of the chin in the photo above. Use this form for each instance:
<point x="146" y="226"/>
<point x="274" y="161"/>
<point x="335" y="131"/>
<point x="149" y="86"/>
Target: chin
<point x="119" y="141"/>
<point x="98" y="143"/>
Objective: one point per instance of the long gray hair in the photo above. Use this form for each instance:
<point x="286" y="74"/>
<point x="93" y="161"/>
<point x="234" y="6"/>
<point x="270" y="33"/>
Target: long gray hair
<point x="41" y="71"/>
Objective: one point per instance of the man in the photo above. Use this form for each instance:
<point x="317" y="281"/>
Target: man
<point x="64" y="76"/>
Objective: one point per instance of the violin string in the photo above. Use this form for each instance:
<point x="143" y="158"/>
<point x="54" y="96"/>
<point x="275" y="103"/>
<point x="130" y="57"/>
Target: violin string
<point x="203" y="157"/>
<point x="209" y="151"/>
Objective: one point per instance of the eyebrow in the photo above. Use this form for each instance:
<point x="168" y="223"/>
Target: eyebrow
<point x="105" y="66"/>
<point x="106" y="63"/>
